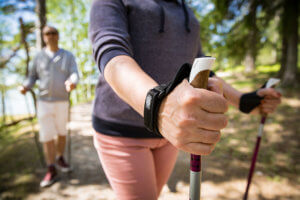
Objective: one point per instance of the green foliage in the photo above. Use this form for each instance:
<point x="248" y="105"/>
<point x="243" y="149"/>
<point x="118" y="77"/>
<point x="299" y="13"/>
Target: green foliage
<point x="227" y="25"/>
<point x="74" y="37"/>
<point x="10" y="39"/>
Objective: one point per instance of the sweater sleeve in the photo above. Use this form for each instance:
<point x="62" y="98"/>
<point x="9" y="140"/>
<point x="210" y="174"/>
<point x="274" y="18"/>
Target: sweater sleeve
<point x="200" y="52"/>
<point x="108" y="31"/>
<point x="32" y="75"/>
<point x="73" y="70"/>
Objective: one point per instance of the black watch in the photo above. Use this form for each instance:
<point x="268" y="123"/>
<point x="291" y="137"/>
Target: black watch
<point x="152" y="103"/>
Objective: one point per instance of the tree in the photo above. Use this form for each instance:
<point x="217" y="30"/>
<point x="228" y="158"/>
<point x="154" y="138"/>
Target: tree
<point x="41" y="21"/>
<point x="251" y="51"/>
<point x="289" y="32"/>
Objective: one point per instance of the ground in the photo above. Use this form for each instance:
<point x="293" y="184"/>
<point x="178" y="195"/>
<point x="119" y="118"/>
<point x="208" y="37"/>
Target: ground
<point x="225" y="170"/>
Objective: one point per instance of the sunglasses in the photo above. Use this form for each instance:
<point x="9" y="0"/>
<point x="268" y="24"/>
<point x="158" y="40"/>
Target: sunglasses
<point x="50" y="33"/>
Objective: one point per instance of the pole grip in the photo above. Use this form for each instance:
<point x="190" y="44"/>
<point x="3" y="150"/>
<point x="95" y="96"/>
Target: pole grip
<point x="201" y="79"/>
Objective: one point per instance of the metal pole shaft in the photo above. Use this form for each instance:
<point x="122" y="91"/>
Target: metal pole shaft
<point x="195" y="177"/>
<point x="254" y="157"/>
<point x="69" y="131"/>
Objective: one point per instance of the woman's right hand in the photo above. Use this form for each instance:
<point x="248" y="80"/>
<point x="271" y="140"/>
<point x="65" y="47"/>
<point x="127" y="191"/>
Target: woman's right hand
<point x="191" y="118"/>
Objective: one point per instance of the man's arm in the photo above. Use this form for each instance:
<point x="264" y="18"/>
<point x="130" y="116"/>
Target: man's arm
<point x="31" y="78"/>
<point x="73" y="78"/>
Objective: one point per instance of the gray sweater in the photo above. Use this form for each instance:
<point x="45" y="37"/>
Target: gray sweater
<point x="160" y="35"/>
<point x="52" y="74"/>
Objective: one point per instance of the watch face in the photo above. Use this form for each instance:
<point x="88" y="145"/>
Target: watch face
<point x="148" y="101"/>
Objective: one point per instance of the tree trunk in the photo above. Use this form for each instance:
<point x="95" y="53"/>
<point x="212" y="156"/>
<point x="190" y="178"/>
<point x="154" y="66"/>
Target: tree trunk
<point x="283" y="55"/>
<point x="24" y="42"/>
<point x="290" y="29"/>
<point x="40" y="10"/>
<point x="252" y="38"/>
<point x="249" y="62"/>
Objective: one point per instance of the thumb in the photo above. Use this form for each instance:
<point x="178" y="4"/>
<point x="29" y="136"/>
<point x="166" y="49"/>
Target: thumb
<point x="268" y="92"/>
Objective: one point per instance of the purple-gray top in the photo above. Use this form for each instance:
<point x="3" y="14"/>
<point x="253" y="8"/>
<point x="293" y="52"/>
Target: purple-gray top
<point x="160" y="35"/>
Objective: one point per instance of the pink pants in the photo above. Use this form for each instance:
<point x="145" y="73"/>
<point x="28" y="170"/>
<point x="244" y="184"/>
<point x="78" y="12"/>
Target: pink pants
<point x="135" y="168"/>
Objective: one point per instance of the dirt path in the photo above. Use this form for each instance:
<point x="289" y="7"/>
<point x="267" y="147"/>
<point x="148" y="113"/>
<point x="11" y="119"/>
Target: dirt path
<point x="225" y="178"/>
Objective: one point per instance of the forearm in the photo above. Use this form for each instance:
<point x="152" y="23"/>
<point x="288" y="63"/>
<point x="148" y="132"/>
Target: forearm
<point x="129" y="81"/>
<point x="232" y="95"/>
<point x="29" y="82"/>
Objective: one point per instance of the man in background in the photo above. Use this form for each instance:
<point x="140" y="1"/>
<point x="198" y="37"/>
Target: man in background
<point x="57" y="72"/>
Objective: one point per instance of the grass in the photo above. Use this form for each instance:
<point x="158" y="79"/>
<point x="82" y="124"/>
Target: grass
<point x="18" y="161"/>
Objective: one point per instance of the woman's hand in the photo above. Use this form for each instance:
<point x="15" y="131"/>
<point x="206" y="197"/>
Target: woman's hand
<point x="191" y="118"/>
<point x="272" y="99"/>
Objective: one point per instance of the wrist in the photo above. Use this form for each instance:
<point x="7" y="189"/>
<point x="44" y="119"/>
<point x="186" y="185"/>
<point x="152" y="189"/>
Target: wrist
<point x="249" y="101"/>
<point x="153" y="101"/>
<point x="155" y="97"/>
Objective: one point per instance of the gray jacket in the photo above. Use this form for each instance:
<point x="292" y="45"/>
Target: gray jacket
<point x="52" y="74"/>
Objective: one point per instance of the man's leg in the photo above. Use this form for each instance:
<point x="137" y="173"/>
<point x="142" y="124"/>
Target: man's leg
<point x="61" y="120"/>
<point x="49" y="150"/>
<point x="60" y="147"/>
<point x="46" y="136"/>
<point x="51" y="175"/>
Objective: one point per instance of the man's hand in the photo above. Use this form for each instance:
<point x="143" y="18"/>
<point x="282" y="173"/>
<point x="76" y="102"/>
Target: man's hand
<point x="69" y="86"/>
<point x="191" y="118"/>
<point x="22" y="89"/>
<point x="272" y="99"/>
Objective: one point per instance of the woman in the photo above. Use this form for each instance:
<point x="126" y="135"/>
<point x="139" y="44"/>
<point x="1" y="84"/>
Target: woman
<point x="137" y="46"/>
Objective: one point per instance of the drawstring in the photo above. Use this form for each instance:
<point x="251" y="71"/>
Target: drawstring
<point x="162" y="19"/>
<point x="186" y="15"/>
<point x="162" y="16"/>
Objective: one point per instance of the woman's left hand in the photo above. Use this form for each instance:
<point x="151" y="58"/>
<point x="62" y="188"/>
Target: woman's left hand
<point x="272" y="99"/>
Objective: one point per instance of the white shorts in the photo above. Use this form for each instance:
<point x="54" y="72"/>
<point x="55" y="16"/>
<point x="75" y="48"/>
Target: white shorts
<point x="53" y="119"/>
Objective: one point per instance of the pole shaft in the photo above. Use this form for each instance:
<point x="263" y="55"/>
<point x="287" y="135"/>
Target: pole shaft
<point x="254" y="157"/>
<point x="69" y="132"/>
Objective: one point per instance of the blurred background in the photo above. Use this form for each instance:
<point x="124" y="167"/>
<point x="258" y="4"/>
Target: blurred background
<point x="252" y="40"/>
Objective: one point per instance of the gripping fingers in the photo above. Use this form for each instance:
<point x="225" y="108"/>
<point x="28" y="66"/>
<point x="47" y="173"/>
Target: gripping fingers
<point x="211" y="121"/>
<point x="199" y="148"/>
<point x="206" y="136"/>
<point x="215" y="85"/>
<point x="205" y="99"/>
<point x="269" y="92"/>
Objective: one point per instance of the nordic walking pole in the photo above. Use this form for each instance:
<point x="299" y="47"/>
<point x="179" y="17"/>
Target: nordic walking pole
<point x="69" y="130"/>
<point x="198" y="79"/>
<point x="271" y="83"/>
<point x="41" y="157"/>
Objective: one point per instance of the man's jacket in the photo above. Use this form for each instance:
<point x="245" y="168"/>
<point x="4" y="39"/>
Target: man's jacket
<point x="52" y="74"/>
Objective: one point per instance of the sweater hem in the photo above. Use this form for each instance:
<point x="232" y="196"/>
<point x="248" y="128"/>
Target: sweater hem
<point x="120" y="130"/>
